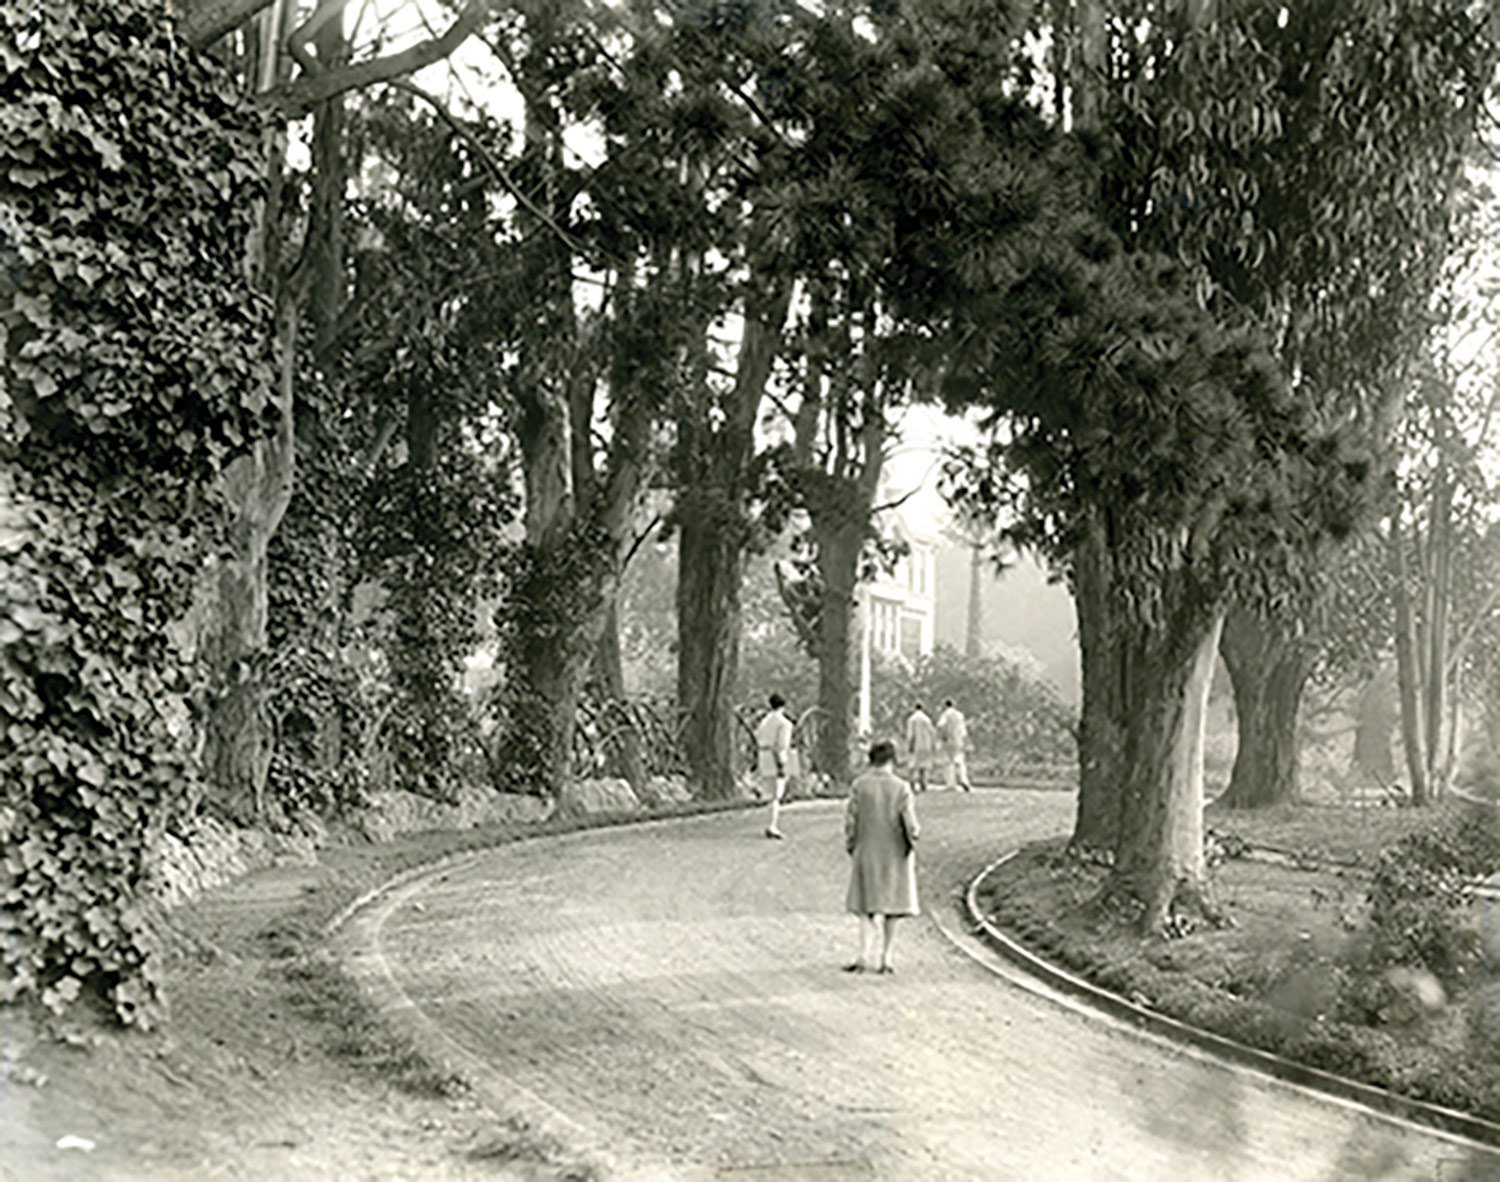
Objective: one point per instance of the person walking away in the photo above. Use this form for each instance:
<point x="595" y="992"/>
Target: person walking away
<point x="953" y="735"/>
<point x="921" y="746"/>
<point x="773" y="757"/>
<point x="880" y="835"/>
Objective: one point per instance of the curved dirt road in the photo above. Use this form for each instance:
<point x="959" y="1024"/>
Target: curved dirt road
<point x="670" y="996"/>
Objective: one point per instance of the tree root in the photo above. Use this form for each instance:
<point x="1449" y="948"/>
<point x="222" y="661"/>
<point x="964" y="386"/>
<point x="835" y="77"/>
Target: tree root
<point x="1171" y="911"/>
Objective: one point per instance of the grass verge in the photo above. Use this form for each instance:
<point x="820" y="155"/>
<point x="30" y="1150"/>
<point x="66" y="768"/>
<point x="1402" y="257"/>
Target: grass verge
<point x="1298" y="974"/>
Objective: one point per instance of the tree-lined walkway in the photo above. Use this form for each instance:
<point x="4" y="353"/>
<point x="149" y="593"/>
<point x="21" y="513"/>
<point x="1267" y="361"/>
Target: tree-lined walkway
<point x="674" y="992"/>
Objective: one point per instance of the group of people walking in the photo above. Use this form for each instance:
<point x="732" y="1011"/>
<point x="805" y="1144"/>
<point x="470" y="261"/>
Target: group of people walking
<point x="880" y="820"/>
<point x="941" y="743"/>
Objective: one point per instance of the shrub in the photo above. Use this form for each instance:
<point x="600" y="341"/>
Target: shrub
<point x="1014" y="719"/>
<point x="1422" y="893"/>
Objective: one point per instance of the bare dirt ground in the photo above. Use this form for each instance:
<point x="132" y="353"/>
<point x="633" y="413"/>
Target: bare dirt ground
<point x="270" y="1066"/>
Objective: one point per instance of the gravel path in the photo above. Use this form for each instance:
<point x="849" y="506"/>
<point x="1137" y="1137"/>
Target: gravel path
<point x="670" y="996"/>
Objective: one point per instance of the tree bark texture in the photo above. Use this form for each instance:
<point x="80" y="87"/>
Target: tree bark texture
<point x="714" y="529"/>
<point x="709" y="574"/>
<point x="1159" y="861"/>
<point x="1268" y="673"/>
<point x="257" y="487"/>
<point x="1102" y="714"/>
<point x="839" y="548"/>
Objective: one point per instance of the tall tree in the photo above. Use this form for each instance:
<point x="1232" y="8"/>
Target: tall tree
<point x="297" y="64"/>
<point x="1313" y="229"/>
<point x="713" y="129"/>
<point x="592" y="383"/>
<point x="907" y="129"/>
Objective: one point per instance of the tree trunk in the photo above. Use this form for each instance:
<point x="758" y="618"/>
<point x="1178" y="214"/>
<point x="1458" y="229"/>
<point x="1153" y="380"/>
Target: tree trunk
<point x="1440" y="580"/>
<point x="325" y="248"/>
<point x="609" y="676"/>
<point x="839" y="548"/>
<point x="1375" y="719"/>
<point x="256" y="487"/>
<point x="1102" y="715"/>
<point x="713" y="468"/>
<point x="973" y="638"/>
<point x="1159" y="862"/>
<point x="1268" y="674"/>
<point x="709" y="573"/>
<point x="1408" y="671"/>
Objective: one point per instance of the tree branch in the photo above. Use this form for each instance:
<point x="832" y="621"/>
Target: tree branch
<point x="489" y="161"/>
<point x="639" y="540"/>
<point x="204" y="22"/>
<point x="297" y="43"/>
<point x="302" y="95"/>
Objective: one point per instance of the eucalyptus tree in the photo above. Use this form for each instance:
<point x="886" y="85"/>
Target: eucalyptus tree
<point x="296" y="62"/>
<point x="1305" y="158"/>
<point x="587" y="379"/>
<point x="692" y="143"/>
<point x="915" y="166"/>
<point x="1441" y="574"/>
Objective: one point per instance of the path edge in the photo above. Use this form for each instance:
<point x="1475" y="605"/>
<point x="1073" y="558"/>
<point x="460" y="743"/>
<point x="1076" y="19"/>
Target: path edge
<point x="1382" y="1100"/>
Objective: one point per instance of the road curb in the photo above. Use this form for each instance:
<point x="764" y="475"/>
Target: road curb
<point x="1450" y="1120"/>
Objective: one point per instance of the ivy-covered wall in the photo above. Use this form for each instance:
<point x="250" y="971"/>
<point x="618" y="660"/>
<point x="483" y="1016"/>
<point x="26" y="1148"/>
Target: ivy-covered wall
<point x="136" y="365"/>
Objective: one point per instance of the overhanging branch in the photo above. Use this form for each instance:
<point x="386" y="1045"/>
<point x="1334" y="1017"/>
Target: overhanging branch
<point x="204" y="22"/>
<point x="303" y="94"/>
<point x="488" y="160"/>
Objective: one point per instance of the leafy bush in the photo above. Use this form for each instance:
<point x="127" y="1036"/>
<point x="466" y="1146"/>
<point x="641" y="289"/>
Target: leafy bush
<point x="135" y="368"/>
<point x="1015" y="720"/>
<point x="1422" y="893"/>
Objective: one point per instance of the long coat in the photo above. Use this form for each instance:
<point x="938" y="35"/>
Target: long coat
<point x="880" y="832"/>
<point x="921" y="740"/>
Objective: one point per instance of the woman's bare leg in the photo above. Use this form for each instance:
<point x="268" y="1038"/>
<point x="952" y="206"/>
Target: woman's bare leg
<point x="869" y="936"/>
<point x="889" y="937"/>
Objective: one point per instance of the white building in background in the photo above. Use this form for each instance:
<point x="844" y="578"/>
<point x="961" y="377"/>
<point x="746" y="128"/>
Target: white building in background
<point x="901" y="605"/>
<point x="897" y="610"/>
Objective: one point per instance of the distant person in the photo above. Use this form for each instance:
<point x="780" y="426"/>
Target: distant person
<point x="773" y="757"/>
<point x="880" y="833"/>
<point x="953" y="738"/>
<point x="921" y="746"/>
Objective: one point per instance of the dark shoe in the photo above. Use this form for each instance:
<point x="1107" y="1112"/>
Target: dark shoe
<point x="775" y="834"/>
<point x="886" y="968"/>
<point x="856" y="967"/>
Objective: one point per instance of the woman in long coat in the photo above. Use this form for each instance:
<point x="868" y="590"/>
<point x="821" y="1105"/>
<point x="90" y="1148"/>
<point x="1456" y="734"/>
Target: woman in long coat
<point x="880" y="833"/>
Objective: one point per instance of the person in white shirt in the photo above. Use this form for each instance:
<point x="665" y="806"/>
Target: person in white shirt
<point x="921" y="747"/>
<point x="773" y="757"/>
<point x="953" y="737"/>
